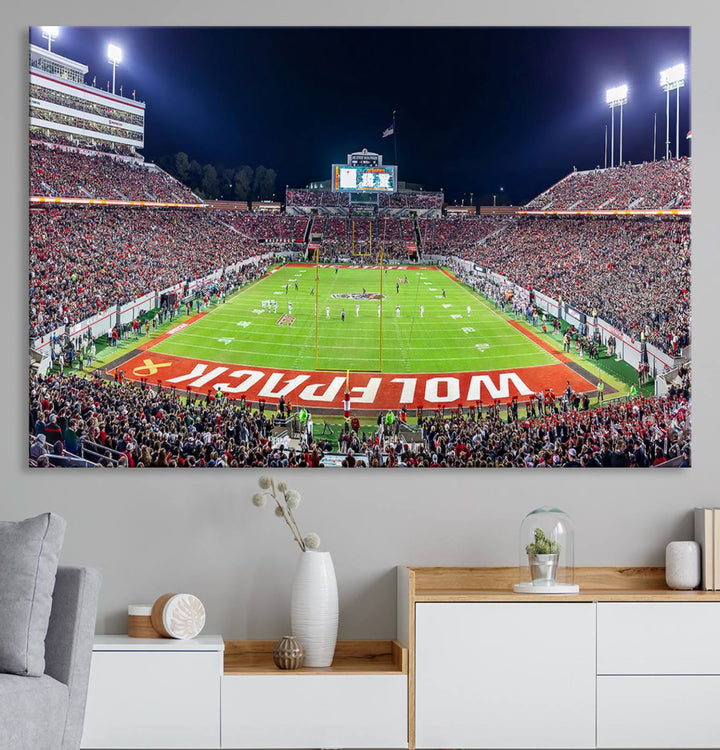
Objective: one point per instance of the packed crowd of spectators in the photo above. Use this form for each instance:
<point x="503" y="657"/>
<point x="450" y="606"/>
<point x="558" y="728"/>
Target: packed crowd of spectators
<point x="412" y="200"/>
<point x="83" y="105"/>
<point x="343" y="238"/>
<point x="680" y="386"/>
<point x="269" y="227"/>
<point x="318" y="198"/>
<point x="49" y="116"/>
<point x="334" y="251"/>
<point x="446" y="235"/>
<point x="84" y="260"/>
<point x="69" y="174"/>
<point x="139" y="426"/>
<point x="315" y="198"/>
<point x="634" y="274"/>
<point x="45" y="135"/>
<point x="331" y="228"/>
<point x="639" y="432"/>
<point x="362" y="230"/>
<point x="389" y="229"/>
<point x="658" y="184"/>
<point x="142" y="427"/>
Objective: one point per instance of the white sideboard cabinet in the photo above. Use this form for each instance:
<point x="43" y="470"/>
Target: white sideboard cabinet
<point x="208" y="693"/>
<point x="626" y="663"/>
<point x="154" y="693"/>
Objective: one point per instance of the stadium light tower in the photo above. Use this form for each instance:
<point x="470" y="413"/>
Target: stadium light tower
<point x="114" y="54"/>
<point x="616" y="97"/>
<point x="672" y="78"/>
<point x="51" y="34"/>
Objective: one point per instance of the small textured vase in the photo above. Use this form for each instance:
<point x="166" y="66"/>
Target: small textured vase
<point x="682" y="565"/>
<point x="288" y="653"/>
<point x="314" y="607"/>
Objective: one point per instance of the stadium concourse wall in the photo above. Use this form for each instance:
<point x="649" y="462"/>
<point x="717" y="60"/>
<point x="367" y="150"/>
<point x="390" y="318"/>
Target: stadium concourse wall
<point x="627" y="348"/>
<point x="102" y="322"/>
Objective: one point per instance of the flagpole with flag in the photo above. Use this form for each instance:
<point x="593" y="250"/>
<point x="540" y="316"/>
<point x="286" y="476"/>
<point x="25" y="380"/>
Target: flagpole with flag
<point x="395" y="138"/>
<point x="391" y="131"/>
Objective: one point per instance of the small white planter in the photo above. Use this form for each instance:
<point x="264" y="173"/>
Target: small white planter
<point x="314" y="607"/>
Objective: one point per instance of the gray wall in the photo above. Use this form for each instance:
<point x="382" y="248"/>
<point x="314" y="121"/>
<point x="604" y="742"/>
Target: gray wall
<point x="197" y="531"/>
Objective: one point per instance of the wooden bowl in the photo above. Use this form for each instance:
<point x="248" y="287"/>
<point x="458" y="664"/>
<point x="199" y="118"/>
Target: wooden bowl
<point x="140" y="621"/>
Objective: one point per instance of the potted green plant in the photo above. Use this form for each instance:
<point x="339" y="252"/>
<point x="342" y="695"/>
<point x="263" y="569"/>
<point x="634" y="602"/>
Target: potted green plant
<point x="543" y="555"/>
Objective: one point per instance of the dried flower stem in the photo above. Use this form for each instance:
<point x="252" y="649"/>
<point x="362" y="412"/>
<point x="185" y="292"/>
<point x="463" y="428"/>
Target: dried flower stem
<point x="286" y="500"/>
<point x="298" y="537"/>
<point x="288" y="517"/>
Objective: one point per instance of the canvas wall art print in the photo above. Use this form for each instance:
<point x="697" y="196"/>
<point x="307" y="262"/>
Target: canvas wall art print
<point x="316" y="247"/>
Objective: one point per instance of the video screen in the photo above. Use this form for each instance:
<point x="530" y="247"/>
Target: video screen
<point x="364" y="179"/>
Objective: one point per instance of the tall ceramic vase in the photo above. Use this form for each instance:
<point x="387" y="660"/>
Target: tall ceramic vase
<point x="314" y="607"/>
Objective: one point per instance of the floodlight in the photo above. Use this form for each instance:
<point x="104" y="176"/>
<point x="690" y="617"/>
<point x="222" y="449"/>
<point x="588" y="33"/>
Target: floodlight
<point x="673" y="76"/>
<point x="672" y="79"/>
<point x="50" y="33"/>
<point x="114" y="54"/>
<point x="616" y="95"/>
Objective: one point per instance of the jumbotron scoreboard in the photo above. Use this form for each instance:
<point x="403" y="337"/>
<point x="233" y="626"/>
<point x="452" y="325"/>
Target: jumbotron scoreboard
<point x="364" y="179"/>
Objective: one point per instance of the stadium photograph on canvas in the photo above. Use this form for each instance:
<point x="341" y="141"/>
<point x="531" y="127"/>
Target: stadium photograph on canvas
<point x="255" y="247"/>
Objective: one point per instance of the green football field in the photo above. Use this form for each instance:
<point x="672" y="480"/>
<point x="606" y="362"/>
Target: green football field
<point x="446" y="337"/>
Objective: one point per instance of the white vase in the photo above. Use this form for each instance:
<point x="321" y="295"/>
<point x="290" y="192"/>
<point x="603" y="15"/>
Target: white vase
<point x="314" y="607"/>
<point x="682" y="565"/>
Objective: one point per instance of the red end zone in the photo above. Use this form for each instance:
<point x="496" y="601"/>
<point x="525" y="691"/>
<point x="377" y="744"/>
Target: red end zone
<point x="367" y="390"/>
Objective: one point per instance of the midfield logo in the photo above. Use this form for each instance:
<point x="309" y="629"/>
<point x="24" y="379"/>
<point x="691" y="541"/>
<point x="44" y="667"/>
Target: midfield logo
<point x="285" y="320"/>
<point x="359" y="295"/>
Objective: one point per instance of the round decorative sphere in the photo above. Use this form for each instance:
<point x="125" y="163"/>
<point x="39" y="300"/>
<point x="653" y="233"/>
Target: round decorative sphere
<point x="179" y="616"/>
<point x="288" y="653"/>
<point x="682" y="565"/>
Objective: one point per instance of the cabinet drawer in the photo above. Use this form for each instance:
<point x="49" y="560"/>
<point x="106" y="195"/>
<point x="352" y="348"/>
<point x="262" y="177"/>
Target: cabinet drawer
<point x="310" y="711"/>
<point x="153" y="700"/>
<point x="658" y="638"/>
<point x="502" y="675"/>
<point x="658" y="711"/>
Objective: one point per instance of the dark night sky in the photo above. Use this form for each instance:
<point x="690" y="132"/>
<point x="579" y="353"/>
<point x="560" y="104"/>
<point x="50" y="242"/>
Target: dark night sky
<point x="477" y="108"/>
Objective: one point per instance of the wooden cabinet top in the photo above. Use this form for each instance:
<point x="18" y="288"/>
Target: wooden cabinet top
<point x="351" y="657"/>
<point x="597" y="584"/>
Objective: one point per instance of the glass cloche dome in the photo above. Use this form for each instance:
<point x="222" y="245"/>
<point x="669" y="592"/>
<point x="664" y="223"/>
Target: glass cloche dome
<point x="546" y="553"/>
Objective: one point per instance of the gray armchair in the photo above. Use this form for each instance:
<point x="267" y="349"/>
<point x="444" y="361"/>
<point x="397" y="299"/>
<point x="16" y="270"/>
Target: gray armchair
<point x="47" y="712"/>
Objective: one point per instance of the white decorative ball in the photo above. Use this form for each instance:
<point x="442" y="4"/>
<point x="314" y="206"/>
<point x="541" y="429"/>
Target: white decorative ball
<point x="183" y="616"/>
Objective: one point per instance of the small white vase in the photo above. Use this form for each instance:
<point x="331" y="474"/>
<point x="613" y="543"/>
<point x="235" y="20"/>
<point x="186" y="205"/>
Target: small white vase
<point x="314" y="607"/>
<point x="682" y="565"/>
